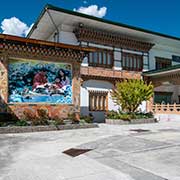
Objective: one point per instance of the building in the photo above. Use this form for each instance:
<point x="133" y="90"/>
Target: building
<point x="122" y="52"/>
<point x="112" y="52"/>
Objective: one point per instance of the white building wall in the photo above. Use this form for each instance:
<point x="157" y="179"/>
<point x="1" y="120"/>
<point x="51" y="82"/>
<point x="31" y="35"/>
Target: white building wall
<point x="96" y="85"/>
<point x="164" y="52"/>
<point x="68" y="38"/>
<point x="66" y="35"/>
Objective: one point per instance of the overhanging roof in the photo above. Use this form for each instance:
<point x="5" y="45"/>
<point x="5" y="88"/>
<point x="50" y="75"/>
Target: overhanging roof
<point x="43" y="27"/>
<point x="164" y="71"/>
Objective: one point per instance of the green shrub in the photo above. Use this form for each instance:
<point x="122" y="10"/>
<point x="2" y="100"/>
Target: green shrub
<point x="113" y="114"/>
<point x="128" y="116"/>
<point x="2" y="124"/>
<point x="39" y="122"/>
<point x="125" y="116"/>
<point x="150" y="114"/>
<point x="21" y="123"/>
<point x="73" y="118"/>
<point x="58" y="121"/>
<point x="87" y="119"/>
<point x="129" y="94"/>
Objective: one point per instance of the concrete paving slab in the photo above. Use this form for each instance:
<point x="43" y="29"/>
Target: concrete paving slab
<point x="112" y="146"/>
<point x="163" y="162"/>
<point x="172" y="137"/>
<point x="134" y="172"/>
<point x="38" y="156"/>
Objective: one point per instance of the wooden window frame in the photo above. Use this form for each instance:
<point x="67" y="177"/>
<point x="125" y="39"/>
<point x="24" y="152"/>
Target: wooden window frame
<point x="98" y="101"/>
<point x="104" y="61"/>
<point x="162" y="62"/>
<point x="136" y="61"/>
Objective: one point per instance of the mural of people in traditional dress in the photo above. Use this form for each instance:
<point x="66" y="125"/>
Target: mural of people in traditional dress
<point x="39" y="81"/>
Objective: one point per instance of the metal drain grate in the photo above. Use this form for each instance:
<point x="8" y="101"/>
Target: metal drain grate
<point x="73" y="152"/>
<point x="140" y="130"/>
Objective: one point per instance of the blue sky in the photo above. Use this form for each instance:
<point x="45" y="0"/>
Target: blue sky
<point x="156" y="15"/>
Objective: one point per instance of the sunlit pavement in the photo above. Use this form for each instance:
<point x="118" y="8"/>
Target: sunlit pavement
<point x="117" y="153"/>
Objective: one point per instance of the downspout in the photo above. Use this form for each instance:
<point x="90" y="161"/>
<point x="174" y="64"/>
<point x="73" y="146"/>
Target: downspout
<point x="57" y="30"/>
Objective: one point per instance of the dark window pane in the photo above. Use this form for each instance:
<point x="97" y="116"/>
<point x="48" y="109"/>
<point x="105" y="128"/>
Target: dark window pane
<point x="104" y="58"/>
<point x="163" y="62"/>
<point x="109" y="59"/>
<point x="95" y="57"/>
<point x="90" y="57"/>
<point x="101" y="58"/>
<point x="132" y="62"/>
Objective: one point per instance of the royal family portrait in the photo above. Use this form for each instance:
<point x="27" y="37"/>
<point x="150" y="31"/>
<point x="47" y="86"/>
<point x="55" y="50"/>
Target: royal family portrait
<point x="39" y="81"/>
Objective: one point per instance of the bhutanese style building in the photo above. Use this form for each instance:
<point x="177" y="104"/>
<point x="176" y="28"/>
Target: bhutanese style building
<point x="113" y="52"/>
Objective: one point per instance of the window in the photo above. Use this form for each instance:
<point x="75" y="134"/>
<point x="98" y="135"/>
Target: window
<point x="101" y="59"/>
<point x="162" y="97"/>
<point x="97" y="100"/>
<point x="132" y="62"/>
<point x="162" y="63"/>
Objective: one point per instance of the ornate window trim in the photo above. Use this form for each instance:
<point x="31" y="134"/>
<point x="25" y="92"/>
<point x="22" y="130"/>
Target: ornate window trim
<point x="98" y="100"/>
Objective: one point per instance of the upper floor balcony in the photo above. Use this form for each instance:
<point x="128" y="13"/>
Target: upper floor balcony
<point x="88" y="72"/>
<point x="117" y="65"/>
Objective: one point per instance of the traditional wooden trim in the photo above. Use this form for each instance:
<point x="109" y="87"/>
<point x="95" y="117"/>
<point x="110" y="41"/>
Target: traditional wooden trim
<point x="162" y="62"/>
<point x="111" y="39"/>
<point x="109" y="79"/>
<point x="165" y="108"/>
<point x="102" y="64"/>
<point x="111" y="75"/>
<point x="17" y="49"/>
<point x="107" y="103"/>
<point x="98" y="100"/>
<point x="137" y="61"/>
<point x="10" y="38"/>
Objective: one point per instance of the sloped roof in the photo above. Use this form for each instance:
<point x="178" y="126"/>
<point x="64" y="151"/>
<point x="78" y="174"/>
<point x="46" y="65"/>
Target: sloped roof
<point x="51" y="7"/>
<point x="158" y="72"/>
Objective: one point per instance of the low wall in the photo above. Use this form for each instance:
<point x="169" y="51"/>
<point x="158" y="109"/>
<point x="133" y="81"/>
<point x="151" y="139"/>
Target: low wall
<point x="134" y="121"/>
<point x="167" y="117"/>
<point x="23" y="129"/>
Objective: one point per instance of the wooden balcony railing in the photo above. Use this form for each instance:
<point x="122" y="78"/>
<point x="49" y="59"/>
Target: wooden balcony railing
<point x="100" y="72"/>
<point x="165" y="108"/>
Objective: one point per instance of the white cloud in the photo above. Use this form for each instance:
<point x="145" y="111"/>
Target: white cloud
<point x="93" y="10"/>
<point x="85" y="2"/>
<point x="14" y="26"/>
<point x="28" y="30"/>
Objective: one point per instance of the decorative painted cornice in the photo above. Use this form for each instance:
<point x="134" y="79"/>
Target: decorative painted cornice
<point x="116" y="40"/>
<point x="18" y="45"/>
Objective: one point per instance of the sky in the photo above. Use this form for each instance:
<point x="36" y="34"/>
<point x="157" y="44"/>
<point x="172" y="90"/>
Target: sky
<point x="17" y="17"/>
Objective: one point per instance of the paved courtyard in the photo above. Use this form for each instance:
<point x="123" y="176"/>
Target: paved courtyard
<point x="118" y="154"/>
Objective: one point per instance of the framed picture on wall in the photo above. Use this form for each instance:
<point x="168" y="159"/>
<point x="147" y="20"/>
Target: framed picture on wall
<point x="34" y="81"/>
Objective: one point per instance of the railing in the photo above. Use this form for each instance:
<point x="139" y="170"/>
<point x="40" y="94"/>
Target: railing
<point x="109" y="73"/>
<point x="165" y="108"/>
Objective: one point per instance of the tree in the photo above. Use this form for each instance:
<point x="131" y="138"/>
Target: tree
<point x="129" y="94"/>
